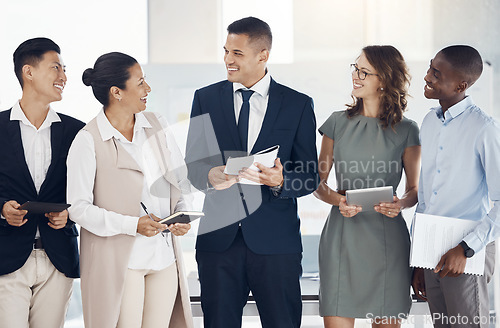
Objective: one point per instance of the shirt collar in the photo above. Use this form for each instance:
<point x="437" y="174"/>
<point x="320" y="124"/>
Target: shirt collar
<point x="17" y="114"/>
<point x="454" y="110"/>
<point x="108" y="131"/>
<point x="261" y="87"/>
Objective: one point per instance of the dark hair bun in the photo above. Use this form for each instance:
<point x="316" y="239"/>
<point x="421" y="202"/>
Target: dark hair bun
<point x="88" y="76"/>
<point x="111" y="69"/>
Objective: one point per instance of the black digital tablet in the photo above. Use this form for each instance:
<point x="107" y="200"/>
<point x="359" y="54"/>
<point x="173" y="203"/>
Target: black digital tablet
<point x="41" y="207"/>
<point x="182" y="217"/>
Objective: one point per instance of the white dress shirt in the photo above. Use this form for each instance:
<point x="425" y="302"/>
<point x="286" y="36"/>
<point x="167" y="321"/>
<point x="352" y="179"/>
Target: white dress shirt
<point x="36" y="144"/>
<point x="258" y="106"/>
<point x="152" y="253"/>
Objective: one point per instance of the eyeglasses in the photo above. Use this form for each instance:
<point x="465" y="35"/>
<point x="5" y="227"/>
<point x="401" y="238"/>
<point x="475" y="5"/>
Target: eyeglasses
<point x="361" y="74"/>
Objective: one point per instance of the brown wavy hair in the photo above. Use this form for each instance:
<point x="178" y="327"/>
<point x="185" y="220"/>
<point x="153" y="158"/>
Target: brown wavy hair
<point x="395" y="80"/>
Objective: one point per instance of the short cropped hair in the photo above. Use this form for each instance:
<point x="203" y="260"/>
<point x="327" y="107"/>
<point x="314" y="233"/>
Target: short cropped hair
<point x="31" y="52"/>
<point x="256" y="29"/>
<point x="110" y="70"/>
<point x="466" y="60"/>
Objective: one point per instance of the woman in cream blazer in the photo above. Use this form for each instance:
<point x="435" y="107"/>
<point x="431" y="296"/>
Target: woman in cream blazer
<point x="131" y="271"/>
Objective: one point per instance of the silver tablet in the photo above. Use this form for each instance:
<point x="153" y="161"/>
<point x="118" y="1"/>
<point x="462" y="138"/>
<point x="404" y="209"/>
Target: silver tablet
<point x="369" y="197"/>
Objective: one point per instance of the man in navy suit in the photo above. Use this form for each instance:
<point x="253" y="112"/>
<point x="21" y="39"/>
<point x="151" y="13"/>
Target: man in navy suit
<point x="249" y="239"/>
<point x="38" y="252"/>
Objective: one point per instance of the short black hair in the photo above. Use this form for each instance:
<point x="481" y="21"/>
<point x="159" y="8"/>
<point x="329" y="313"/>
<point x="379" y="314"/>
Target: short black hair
<point x="110" y="70"/>
<point x="31" y="52"/>
<point x="466" y="60"/>
<point x="256" y="29"/>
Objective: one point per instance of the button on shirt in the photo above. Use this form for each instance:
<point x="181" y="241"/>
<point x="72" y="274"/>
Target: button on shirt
<point x="258" y="106"/>
<point x="36" y="144"/>
<point x="460" y="169"/>
<point x="151" y="253"/>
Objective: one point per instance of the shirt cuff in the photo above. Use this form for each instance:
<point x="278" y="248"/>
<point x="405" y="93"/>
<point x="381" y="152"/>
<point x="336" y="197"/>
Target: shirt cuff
<point x="1" y="210"/>
<point x="474" y="242"/>
<point x="129" y="225"/>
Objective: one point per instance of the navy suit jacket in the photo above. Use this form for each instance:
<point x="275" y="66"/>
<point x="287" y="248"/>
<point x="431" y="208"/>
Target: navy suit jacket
<point x="273" y="225"/>
<point x="16" y="243"/>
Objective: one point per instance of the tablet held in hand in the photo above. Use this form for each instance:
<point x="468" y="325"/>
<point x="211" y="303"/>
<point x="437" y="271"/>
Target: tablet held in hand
<point x="41" y="207"/>
<point x="369" y="197"/>
<point x="181" y="217"/>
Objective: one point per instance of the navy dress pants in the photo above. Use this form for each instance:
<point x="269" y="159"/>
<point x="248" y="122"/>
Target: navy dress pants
<point x="227" y="277"/>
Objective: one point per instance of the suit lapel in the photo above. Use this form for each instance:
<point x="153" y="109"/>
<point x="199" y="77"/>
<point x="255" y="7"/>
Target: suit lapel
<point x="17" y="145"/>
<point x="272" y="111"/>
<point x="227" y="100"/>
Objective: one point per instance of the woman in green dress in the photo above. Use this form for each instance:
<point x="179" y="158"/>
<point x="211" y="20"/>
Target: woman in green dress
<point x="364" y="253"/>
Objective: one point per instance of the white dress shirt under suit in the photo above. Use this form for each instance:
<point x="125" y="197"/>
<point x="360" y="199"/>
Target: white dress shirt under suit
<point x="36" y="145"/>
<point x="258" y="106"/>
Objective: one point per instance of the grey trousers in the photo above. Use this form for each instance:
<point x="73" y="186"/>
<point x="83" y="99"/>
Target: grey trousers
<point x="461" y="301"/>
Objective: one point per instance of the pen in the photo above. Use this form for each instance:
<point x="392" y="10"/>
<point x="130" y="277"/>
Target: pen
<point x="146" y="210"/>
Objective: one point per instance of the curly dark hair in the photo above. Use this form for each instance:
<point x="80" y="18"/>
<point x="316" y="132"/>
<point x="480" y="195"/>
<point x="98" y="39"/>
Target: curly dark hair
<point x="395" y="79"/>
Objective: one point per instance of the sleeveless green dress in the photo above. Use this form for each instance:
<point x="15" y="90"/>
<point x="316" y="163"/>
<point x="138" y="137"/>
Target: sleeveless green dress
<point x="364" y="260"/>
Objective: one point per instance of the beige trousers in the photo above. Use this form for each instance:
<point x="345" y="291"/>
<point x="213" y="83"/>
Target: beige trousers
<point x="148" y="298"/>
<point x="36" y="295"/>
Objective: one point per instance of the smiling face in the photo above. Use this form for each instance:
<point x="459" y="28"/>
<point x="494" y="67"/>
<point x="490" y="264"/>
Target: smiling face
<point x="367" y="88"/>
<point x="443" y="82"/>
<point x="136" y="90"/>
<point x="46" y="79"/>
<point x="245" y="61"/>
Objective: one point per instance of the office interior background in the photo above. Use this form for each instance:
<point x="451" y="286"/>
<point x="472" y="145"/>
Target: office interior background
<point x="180" y="46"/>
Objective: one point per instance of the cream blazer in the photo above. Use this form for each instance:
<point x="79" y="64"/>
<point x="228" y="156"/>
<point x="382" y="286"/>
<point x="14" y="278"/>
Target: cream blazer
<point x="104" y="260"/>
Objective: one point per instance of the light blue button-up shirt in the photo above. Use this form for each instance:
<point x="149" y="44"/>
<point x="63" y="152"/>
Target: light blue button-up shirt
<point x="461" y="169"/>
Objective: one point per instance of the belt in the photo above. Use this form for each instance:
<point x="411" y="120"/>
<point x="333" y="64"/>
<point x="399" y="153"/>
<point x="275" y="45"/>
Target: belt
<point x="37" y="244"/>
